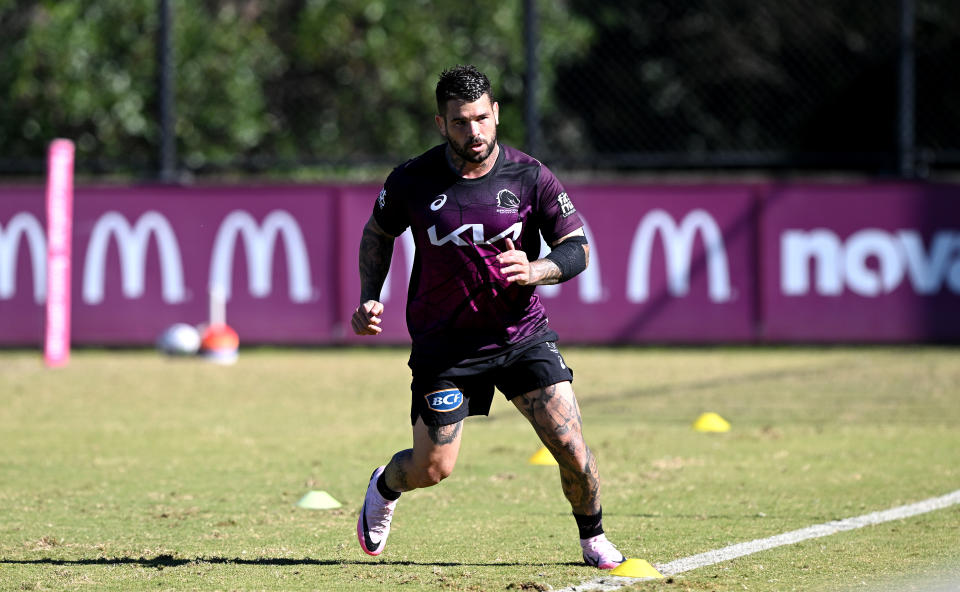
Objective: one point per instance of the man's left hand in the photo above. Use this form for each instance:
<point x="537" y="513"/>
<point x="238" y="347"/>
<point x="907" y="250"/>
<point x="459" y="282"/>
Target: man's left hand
<point x="515" y="266"/>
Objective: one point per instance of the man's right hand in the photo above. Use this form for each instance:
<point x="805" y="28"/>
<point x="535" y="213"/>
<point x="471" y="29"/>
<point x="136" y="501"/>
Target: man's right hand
<point x="366" y="318"/>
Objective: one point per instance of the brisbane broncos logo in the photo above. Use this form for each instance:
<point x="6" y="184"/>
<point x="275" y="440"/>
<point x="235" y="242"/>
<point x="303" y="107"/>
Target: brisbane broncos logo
<point x="507" y="200"/>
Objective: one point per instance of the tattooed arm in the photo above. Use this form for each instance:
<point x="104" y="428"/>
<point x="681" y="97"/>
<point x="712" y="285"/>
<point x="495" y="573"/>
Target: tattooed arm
<point x="376" y="251"/>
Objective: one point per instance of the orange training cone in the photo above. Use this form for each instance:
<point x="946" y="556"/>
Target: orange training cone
<point x="219" y="344"/>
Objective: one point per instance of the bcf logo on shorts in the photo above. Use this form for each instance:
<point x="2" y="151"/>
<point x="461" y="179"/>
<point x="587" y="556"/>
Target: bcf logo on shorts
<point x="445" y="400"/>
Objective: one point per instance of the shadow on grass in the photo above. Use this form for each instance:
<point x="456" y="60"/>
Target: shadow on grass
<point x="164" y="561"/>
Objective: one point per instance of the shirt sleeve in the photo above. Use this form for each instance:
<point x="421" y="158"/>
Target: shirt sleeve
<point x="557" y="212"/>
<point x="389" y="210"/>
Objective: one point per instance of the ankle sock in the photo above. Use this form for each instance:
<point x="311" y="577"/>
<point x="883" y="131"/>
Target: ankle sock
<point x="387" y="493"/>
<point x="589" y="526"/>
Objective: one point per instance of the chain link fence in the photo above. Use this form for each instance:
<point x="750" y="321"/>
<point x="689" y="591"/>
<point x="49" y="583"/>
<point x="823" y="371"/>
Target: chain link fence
<point x="307" y="88"/>
<point x="811" y="84"/>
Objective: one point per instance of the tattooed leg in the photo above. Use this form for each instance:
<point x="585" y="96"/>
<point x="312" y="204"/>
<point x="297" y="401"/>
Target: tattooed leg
<point x="442" y="435"/>
<point x="555" y="415"/>
<point x="432" y="458"/>
<point x="395" y="474"/>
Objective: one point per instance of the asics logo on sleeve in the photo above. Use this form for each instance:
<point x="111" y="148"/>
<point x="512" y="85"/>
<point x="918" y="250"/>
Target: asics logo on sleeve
<point x="438" y="203"/>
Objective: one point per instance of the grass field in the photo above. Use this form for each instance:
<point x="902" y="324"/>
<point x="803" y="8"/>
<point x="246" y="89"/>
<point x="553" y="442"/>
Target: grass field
<point x="130" y="471"/>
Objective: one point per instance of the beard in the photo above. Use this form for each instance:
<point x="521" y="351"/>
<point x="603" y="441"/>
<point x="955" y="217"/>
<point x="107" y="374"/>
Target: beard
<point x="465" y="152"/>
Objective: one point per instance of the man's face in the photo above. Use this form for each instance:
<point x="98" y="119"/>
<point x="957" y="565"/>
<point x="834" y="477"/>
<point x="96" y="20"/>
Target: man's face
<point x="471" y="128"/>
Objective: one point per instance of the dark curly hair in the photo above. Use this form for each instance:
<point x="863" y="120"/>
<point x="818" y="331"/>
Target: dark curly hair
<point x="463" y="83"/>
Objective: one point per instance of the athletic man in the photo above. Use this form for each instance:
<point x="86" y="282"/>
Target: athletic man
<point x="477" y="209"/>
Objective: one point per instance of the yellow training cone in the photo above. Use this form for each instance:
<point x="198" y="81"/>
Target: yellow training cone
<point x="711" y="422"/>
<point x="635" y="568"/>
<point x="318" y="500"/>
<point x="543" y="457"/>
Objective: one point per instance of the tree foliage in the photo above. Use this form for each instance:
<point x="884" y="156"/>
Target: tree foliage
<point x="265" y="85"/>
<point x="87" y="70"/>
<point x="290" y="80"/>
<point x="361" y="75"/>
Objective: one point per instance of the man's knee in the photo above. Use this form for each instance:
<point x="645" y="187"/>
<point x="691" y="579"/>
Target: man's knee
<point x="434" y="471"/>
<point x="437" y="472"/>
<point x="435" y="451"/>
<point x="570" y="448"/>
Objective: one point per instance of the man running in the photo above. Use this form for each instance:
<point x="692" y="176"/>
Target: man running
<point x="477" y="209"/>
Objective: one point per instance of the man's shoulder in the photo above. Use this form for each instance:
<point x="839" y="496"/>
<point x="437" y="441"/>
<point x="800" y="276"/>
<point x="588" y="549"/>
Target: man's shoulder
<point x="519" y="163"/>
<point x="427" y="163"/>
<point x="515" y="156"/>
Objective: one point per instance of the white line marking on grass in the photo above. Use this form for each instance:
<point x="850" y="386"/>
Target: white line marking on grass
<point x="788" y="538"/>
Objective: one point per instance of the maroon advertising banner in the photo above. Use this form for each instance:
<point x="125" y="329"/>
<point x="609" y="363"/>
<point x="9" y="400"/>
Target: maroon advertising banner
<point x="655" y="255"/>
<point x="147" y="257"/>
<point x="861" y="263"/>
<point x="706" y="263"/>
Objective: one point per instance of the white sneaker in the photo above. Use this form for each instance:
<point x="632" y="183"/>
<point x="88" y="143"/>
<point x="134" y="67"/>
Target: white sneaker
<point x="373" y="526"/>
<point x="599" y="552"/>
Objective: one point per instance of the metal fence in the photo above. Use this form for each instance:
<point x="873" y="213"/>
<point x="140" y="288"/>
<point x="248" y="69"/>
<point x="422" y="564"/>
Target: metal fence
<point x="296" y="88"/>
<point x="814" y="84"/>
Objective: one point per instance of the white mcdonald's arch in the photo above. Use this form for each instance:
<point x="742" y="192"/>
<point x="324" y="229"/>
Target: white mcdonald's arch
<point x="132" y="243"/>
<point x="259" y="241"/>
<point x="23" y="224"/>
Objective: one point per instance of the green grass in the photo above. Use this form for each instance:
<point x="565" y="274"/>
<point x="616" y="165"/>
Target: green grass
<point x="127" y="470"/>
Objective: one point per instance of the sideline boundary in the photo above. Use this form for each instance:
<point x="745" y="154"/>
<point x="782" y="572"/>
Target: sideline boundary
<point x="788" y="538"/>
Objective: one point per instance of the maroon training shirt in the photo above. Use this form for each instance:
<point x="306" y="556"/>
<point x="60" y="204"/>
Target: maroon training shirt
<point x="459" y="306"/>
